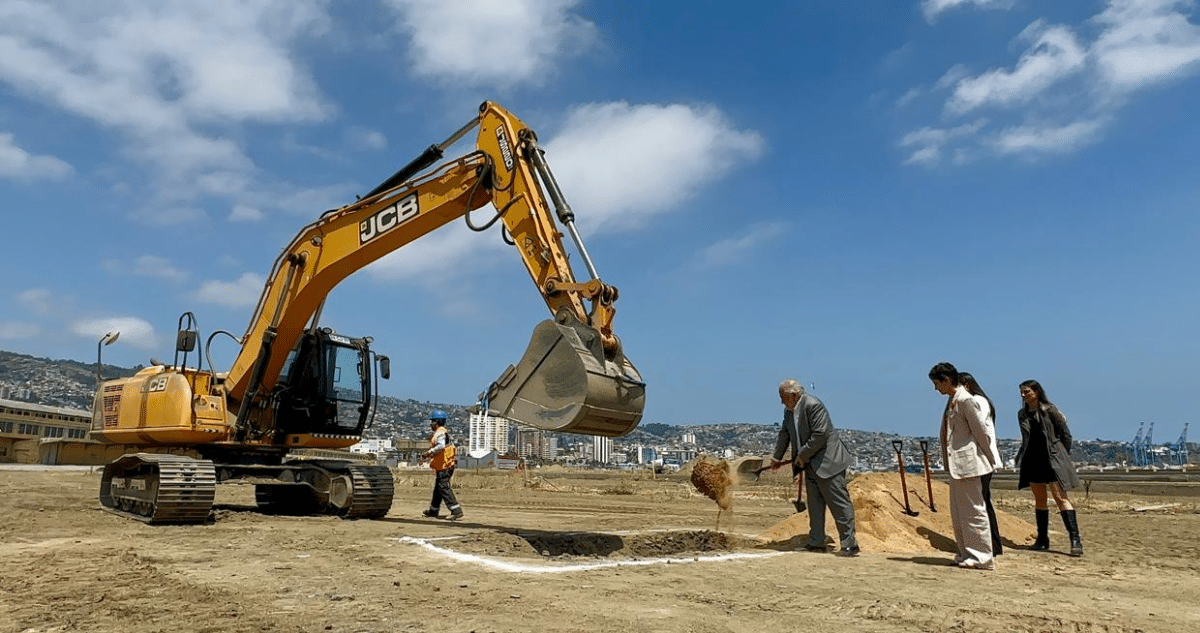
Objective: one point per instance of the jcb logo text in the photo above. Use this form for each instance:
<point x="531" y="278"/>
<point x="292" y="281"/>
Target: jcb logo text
<point x="388" y="218"/>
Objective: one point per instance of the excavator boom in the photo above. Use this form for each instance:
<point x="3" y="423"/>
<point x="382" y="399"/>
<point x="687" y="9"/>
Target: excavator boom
<point x="296" y="385"/>
<point x="574" y="376"/>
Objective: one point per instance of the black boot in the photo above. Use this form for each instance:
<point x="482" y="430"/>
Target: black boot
<point x="1073" y="530"/>
<point x="1043" y="526"/>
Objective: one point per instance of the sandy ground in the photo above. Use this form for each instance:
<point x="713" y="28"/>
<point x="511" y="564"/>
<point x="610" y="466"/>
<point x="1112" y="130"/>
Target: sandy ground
<point x="584" y="552"/>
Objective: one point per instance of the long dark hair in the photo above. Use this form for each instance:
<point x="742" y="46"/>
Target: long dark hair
<point x="1037" y="388"/>
<point x="944" y="371"/>
<point x="969" y="383"/>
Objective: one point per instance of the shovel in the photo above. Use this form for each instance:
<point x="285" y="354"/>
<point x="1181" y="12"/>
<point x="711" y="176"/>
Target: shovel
<point x="928" y="481"/>
<point x="798" y="502"/>
<point x="757" y="472"/>
<point x="899" y="445"/>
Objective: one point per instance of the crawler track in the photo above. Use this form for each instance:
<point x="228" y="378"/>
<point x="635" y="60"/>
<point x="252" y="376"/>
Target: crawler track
<point x="159" y="488"/>
<point x="155" y="488"/>
<point x="373" y="491"/>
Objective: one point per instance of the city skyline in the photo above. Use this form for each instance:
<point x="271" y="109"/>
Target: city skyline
<point x="842" y="193"/>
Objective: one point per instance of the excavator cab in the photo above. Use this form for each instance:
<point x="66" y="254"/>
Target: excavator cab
<point x="327" y="386"/>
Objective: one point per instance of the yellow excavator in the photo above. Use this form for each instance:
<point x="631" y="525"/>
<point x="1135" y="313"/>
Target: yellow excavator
<point x="297" y="385"/>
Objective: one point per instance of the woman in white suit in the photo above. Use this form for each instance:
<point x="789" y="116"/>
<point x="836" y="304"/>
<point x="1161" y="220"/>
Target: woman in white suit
<point x="972" y="386"/>
<point x="967" y="455"/>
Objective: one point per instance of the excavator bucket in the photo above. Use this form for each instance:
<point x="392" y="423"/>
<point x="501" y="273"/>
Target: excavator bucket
<point x="564" y="383"/>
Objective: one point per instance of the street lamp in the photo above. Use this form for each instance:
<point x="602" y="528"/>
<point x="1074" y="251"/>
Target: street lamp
<point x="107" y="339"/>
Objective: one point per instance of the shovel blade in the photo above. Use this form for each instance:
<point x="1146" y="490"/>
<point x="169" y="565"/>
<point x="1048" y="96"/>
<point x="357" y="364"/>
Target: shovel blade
<point x="564" y="383"/>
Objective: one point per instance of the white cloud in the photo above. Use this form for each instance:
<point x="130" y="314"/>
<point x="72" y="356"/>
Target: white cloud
<point x="444" y="252"/>
<point x="933" y="8"/>
<point x="929" y="142"/>
<point x="242" y="292"/>
<point x="361" y="138"/>
<point x="18" y="163"/>
<point x="13" y="330"/>
<point x="310" y="202"/>
<point x="619" y="166"/>
<point x="243" y="213"/>
<point x="495" y="43"/>
<point x="168" y="214"/>
<point x="1064" y="91"/>
<point x="134" y="331"/>
<point x="1047" y="139"/>
<point x="146" y="266"/>
<point x="1053" y="54"/>
<point x="957" y="73"/>
<point x="152" y="72"/>
<point x="39" y="300"/>
<point x="737" y="248"/>
<point x="1145" y="43"/>
<point x="908" y="97"/>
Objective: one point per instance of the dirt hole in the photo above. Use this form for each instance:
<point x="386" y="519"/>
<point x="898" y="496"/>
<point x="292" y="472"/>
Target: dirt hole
<point x="591" y="545"/>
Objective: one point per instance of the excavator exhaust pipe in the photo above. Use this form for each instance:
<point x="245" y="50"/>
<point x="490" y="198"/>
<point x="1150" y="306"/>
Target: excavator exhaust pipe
<point x="564" y="383"/>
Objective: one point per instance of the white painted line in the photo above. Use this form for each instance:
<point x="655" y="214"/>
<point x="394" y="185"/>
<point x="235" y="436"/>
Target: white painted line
<point x="502" y="565"/>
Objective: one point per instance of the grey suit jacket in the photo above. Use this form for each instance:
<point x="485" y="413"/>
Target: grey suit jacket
<point x="811" y="436"/>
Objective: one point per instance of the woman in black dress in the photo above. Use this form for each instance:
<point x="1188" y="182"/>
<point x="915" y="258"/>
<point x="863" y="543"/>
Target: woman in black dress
<point x="1045" y="463"/>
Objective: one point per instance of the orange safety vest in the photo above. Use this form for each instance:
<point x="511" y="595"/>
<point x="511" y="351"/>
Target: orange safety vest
<point x="444" y="460"/>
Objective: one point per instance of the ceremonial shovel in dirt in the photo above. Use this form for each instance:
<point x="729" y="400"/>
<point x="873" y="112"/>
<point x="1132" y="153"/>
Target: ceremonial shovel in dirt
<point x="928" y="481"/>
<point x="798" y="502"/>
<point x="898" y="445"/>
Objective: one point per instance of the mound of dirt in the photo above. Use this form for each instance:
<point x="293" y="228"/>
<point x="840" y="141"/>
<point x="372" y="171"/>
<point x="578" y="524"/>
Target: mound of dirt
<point x="883" y="526"/>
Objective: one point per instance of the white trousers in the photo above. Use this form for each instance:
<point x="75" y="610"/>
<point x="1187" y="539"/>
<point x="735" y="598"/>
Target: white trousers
<point x="968" y="513"/>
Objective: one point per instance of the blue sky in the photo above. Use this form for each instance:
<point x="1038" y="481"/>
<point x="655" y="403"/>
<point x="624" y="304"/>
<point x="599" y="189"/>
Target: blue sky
<point x="841" y="192"/>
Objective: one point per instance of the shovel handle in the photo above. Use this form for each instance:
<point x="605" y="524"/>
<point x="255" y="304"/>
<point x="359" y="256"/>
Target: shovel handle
<point x="928" y="479"/>
<point x="898" y="445"/>
<point x="759" y="471"/>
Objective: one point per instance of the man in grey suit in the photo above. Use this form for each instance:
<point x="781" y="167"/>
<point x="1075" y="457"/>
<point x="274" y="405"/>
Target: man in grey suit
<point x="819" y="451"/>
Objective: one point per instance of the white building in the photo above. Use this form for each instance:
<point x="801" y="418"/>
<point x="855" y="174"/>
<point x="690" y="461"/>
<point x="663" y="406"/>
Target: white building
<point x="644" y="454"/>
<point x="601" y="449"/>
<point x="536" y="443"/>
<point x="488" y="433"/>
<point x="376" y="446"/>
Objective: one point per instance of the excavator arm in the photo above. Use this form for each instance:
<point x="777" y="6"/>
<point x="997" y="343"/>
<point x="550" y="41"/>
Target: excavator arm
<point x="574" y="376"/>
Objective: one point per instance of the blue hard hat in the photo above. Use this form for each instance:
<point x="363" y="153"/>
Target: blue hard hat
<point x="437" y="414"/>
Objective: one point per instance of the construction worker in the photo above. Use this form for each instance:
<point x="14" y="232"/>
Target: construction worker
<point x="441" y="458"/>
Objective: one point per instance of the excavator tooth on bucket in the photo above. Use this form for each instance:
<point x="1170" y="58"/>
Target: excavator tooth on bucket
<point x="565" y="383"/>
